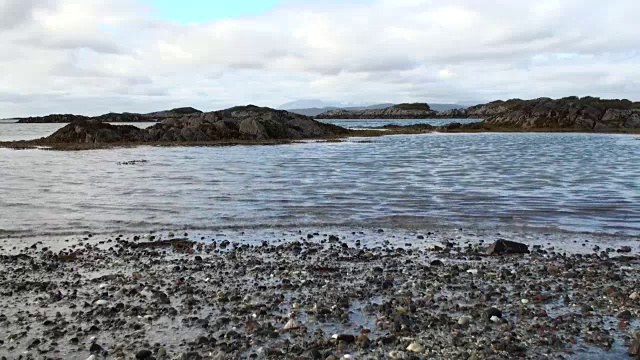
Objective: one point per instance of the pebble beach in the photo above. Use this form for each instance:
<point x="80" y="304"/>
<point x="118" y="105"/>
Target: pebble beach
<point x="340" y="294"/>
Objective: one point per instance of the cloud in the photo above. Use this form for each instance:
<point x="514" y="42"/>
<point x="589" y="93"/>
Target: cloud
<point x="95" y="56"/>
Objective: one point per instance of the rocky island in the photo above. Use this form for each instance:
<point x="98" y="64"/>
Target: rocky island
<point x="113" y="117"/>
<point x="400" y="111"/>
<point x="571" y="113"/>
<point x="588" y="114"/>
<point x="243" y="124"/>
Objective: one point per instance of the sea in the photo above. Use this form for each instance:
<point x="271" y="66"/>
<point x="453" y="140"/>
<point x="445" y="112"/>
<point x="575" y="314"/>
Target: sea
<point x="564" y="182"/>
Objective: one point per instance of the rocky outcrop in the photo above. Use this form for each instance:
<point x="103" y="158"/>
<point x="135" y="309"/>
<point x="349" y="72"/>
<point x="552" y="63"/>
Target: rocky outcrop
<point x="114" y="117"/>
<point x="571" y="114"/>
<point x="567" y="114"/>
<point x="54" y="118"/>
<point x="401" y="111"/>
<point x="94" y="131"/>
<point x="239" y="123"/>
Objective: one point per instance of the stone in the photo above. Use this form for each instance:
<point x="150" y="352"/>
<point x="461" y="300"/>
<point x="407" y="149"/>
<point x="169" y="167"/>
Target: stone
<point x="634" y="348"/>
<point x="624" y="315"/>
<point x="144" y="354"/>
<point x="344" y="338"/>
<point x="506" y="247"/>
<point x="96" y="349"/>
<point x="491" y="312"/>
<point x="624" y="249"/>
<point x="415" y="347"/>
<point x="464" y="320"/>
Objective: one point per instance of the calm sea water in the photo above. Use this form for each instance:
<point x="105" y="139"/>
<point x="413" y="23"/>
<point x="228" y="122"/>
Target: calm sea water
<point x="576" y="182"/>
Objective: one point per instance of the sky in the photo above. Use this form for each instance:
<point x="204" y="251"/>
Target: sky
<point x="95" y="56"/>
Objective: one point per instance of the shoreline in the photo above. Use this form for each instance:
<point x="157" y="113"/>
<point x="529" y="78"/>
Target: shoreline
<point x="384" y="293"/>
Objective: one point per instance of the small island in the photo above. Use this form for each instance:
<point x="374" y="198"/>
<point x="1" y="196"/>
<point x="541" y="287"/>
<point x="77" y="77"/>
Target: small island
<point x="112" y="117"/>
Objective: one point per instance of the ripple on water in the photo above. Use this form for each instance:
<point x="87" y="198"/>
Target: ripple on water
<point x="582" y="182"/>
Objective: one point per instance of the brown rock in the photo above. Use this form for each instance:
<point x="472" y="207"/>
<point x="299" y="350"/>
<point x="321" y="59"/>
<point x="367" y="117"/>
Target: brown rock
<point x="505" y="247"/>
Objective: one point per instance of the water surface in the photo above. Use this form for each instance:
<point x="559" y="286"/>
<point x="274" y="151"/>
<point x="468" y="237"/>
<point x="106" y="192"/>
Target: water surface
<point x="576" y="182"/>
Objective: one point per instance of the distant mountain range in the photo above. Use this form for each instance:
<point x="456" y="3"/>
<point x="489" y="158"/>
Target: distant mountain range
<point x="317" y="107"/>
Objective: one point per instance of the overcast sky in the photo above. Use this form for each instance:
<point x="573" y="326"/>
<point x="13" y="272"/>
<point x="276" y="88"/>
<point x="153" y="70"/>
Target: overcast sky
<point x="95" y="56"/>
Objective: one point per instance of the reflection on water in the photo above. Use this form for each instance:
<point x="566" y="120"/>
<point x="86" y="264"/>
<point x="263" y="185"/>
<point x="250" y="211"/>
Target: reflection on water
<point x="586" y="182"/>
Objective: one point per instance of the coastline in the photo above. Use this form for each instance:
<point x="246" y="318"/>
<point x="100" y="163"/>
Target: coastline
<point x="419" y="293"/>
<point x="386" y="130"/>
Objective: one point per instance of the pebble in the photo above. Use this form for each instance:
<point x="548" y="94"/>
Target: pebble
<point x="143" y="354"/>
<point x="464" y="320"/>
<point x="415" y="347"/>
<point x="624" y="315"/>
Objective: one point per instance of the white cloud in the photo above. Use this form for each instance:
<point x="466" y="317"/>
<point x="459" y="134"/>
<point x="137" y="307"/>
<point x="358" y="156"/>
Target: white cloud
<point x="94" y="56"/>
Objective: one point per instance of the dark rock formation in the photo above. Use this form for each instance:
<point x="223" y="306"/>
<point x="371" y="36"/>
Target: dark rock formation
<point x="94" y="131"/>
<point x="54" y="118"/>
<point x="567" y="114"/>
<point x="400" y="111"/>
<point x="243" y="123"/>
<point x="239" y="123"/>
<point x="571" y="113"/>
<point x="114" y="117"/>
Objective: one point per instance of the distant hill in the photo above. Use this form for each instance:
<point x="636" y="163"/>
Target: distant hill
<point x="114" y="117"/>
<point x="399" y="111"/>
<point x="310" y="104"/>
<point x="318" y="111"/>
<point x="315" y="111"/>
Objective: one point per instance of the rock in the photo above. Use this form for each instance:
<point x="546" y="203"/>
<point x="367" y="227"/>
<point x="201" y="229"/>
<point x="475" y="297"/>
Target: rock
<point x="291" y="325"/>
<point x="400" y="111"/>
<point x="239" y="123"/>
<point x="505" y="247"/>
<point x="571" y="113"/>
<point x="624" y="315"/>
<point x="96" y="349"/>
<point x="415" y="347"/>
<point x="491" y="312"/>
<point x="34" y="343"/>
<point x="634" y="349"/>
<point x="624" y="249"/>
<point x="162" y="352"/>
<point x="464" y="320"/>
<point x="586" y="308"/>
<point x="398" y="355"/>
<point x="191" y="356"/>
<point x="344" y="337"/>
<point x="144" y="354"/>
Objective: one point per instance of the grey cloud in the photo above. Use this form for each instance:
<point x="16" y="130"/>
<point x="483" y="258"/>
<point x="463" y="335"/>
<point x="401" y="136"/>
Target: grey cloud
<point x="364" y="51"/>
<point x="14" y="13"/>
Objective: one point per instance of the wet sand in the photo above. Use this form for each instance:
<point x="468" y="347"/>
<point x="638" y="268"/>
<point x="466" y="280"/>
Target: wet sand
<point x="333" y="294"/>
